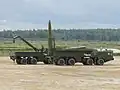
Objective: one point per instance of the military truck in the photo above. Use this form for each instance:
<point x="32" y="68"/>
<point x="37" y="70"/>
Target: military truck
<point x="86" y="56"/>
<point x="68" y="56"/>
<point x="28" y="57"/>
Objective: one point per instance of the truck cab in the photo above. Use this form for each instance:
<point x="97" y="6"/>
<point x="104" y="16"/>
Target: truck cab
<point x="102" y="56"/>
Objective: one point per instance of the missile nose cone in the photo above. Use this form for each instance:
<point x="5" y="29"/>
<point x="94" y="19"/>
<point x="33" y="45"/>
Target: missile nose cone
<point x="49" y="21"/>
<point x="49" y="24"/>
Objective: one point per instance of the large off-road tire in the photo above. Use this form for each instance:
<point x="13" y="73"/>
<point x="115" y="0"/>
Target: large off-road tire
<point x="61" y="62"/>
<point x="89" y="61"/>
<point x="48" y="60"/>
<point x="28" y="60"/>
<point x="71" y="61"/>
<point x="18" y="61"/>
<point x="100" y="62"/>
<point x="23" y="61"/>
<point x="33" y="61"/>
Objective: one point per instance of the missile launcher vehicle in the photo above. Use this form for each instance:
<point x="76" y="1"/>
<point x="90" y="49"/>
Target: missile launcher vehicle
<point x="86" y="56"/>
<point x="68" y="56"/>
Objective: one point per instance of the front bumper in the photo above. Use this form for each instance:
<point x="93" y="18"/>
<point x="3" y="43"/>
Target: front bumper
<point x="13" y="58"/>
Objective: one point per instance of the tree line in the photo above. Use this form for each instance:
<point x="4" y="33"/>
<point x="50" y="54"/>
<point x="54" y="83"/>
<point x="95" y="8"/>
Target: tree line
<point x="64" y="34"/>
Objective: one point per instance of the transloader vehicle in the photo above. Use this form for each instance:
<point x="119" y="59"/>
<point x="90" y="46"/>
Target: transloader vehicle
<point x="65" y="56"/>
<point x="28" y="57"/>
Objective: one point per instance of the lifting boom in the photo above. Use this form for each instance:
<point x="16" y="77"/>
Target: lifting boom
<point x="37" y="50"/>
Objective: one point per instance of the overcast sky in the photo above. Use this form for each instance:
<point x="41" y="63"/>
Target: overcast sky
<point x="19" y="14"/>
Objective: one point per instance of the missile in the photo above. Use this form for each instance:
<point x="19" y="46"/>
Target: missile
<point x="49" y="38"/>
<point x="49" y="29"/>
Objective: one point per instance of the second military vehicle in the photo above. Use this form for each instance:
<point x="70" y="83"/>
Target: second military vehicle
<point x="85" y="55"/>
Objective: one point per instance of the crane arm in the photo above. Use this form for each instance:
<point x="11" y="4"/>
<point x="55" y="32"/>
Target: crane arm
<point x="25" y="42"/>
